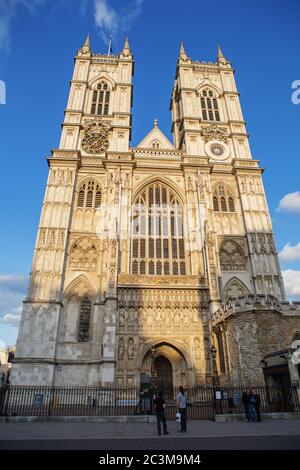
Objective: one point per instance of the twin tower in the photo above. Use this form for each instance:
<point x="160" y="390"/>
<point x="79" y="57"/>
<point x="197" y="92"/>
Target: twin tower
<point x="157" y="259"/>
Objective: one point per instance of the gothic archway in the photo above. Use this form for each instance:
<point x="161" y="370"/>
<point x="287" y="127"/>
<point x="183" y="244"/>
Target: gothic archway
<point x="235" y="288"/>
<point x="166" y="359"/>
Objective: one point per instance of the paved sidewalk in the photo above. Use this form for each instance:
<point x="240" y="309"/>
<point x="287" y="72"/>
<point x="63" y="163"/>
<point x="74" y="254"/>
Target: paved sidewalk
<point x="84" y="430"/>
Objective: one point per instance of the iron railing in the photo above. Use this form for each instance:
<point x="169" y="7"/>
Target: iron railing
<point x="203" y="402"/>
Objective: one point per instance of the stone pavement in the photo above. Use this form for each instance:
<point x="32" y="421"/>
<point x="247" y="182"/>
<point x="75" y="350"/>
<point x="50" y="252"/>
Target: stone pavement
<point x="91" y="430"/>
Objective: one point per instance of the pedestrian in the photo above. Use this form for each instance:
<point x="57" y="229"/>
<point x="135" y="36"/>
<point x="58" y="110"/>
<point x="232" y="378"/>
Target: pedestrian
<point x="181" y="405"/>
<point x="252" y="406"/>
<point x="257" y="406"/>
<point x="245" y="401"/>
<point x="160" y="405"/>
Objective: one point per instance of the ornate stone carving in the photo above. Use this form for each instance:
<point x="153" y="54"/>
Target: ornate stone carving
<point x="130" y="348"/>
<point x="254" y="244"/>
<point x="235" y="288"/>
<point x="214" y="132"/>
<point x="162" y="280"/>
<point x="262" y="244"/>
<point x="271" y="245"/>
<point x="232" y="257"/>
<point x="95" y="138"/>
<point x="197" y="348"/>
<point x="121" y="348"/>
<point x="83" y="254"/>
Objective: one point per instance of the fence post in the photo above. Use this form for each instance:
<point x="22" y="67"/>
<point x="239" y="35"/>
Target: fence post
<point x="2" y="399"/>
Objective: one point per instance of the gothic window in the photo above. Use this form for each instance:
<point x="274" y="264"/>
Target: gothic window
<point x="230" y="204"/>
<point x="215" y="203"/>
<point x="223" y="204"/>
<point x="223" y="200"/>
<point x="157" y="246"/>
<point x="89" y="195"/>
<point x="84" y="320"/>
<point x="232" y="256"/>
<point x="209" y="105"/>
<point x="100" y="100"/>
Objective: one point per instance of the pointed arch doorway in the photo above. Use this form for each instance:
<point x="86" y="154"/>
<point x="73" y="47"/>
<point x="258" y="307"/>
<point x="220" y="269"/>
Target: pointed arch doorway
<point x="164" y="374"/>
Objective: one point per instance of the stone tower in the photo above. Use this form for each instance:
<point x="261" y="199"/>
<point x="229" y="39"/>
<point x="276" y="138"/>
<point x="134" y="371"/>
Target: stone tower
<point x="139" y="248"/>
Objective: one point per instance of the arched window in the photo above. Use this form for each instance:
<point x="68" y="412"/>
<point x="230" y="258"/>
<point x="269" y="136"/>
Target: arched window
<point x="157" y="233"/>
<point x="100" y="100"/>
<point x="209" y="105"/>
<point x="230" y="204"/>
<point x="89" y="195"/>
<point x="84" y="320"/>
<point x="222" y="199"/>
<point x="215" y="203"/>
<point x="155" y="145"/>
<point x="223" y="204"/>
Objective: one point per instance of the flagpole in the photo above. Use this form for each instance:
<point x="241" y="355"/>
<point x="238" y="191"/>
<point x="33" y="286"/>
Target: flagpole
<point x="109" y="45"/>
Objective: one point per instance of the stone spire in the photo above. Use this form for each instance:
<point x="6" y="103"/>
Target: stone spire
<point x="86" y="48"/>
<point x="221" y="58"/>
<point x="182" y="54"/>
<point x="126" y="49"/>
<point x="87" y="43"/>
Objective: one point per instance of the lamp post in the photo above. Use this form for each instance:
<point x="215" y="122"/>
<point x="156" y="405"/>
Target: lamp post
<point x="153" y="351"/>
<point x="213" y="355"/>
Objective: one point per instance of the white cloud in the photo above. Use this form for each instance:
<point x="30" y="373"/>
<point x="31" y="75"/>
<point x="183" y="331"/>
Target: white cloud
<point x="12" y="292"/>
<point x="8" y="10"/>
<point x="290" y="252"/>
<point x="291" y="280"/>
<point x="13" y="317"/>
<point x="13" y="283"/>
<point x="106" y="17"/>
<point x="111" y="21"/>
<point x="290" y="203"/>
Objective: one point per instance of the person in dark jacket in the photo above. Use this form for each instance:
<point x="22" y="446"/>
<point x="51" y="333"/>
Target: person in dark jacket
<point x="245" y="401"/>
<point x="252" y="406"/>
<point x="257" y="405"/>
<point x="159" y="404"/>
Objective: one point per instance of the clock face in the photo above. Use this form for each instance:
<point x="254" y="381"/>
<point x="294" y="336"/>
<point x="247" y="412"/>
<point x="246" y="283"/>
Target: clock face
<point x="217" y="150"/>
<point x="95" y="143"/>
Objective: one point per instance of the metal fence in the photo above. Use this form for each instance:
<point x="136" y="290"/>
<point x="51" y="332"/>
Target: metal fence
<point x="202" y="402"/>
<point x="272" y="399"/>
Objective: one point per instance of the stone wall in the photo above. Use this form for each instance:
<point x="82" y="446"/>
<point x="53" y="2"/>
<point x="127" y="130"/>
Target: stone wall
<point x="254" y="330"/>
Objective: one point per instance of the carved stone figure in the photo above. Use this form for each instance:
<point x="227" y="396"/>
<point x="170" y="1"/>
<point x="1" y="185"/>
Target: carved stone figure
<point x="130" y="348"/>
<point x="214" y="132"/>
<point x="121" y="348"/>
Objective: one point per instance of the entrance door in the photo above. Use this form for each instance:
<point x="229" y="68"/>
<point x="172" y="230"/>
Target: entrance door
<point x="163" y="371"/>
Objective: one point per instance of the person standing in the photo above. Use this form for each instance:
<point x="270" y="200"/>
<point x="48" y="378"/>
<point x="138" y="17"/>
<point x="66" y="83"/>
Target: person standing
<point x="257" y="405"/>
<point x="160" y="405"/>
<point x="245" y="401"/>
<point x="252" y="406"/>
<point x="181" y="405"/>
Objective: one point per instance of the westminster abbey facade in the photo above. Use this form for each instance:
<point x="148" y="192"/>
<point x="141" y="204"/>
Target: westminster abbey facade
<point x="155" y="260"/>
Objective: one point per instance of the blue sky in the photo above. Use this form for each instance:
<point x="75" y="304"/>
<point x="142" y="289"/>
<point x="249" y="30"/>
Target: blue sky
<point x="38" y="39"/>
